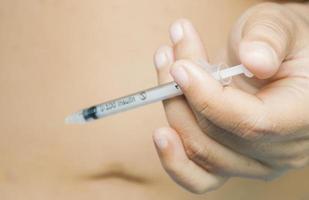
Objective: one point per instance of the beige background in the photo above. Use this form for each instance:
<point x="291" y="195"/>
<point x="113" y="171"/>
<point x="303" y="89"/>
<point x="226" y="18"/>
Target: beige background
<point x="57" y="56"/>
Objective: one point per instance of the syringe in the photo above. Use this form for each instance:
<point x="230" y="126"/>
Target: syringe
<point x="144" y="97"/>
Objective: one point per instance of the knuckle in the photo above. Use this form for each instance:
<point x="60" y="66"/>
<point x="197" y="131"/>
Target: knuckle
<point x="253" y="128"/>
<point x="194" y="151"/>
<point x="197" y="153"/>
<point x="269" y="21"/>
<point x="200" y="104"/>
<point x="203" y="107"/>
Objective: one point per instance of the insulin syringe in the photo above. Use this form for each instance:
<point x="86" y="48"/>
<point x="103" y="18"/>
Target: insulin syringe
<point x="144" y="97"/>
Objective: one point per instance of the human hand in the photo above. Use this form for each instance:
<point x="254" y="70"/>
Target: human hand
<point x="255" y="128"/>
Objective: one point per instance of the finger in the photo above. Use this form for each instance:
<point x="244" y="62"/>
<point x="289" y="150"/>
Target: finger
<point x="182" y="170"/>
<point x="177" y="110"/>
<point x="263" y="38"/>
<point x="227" y="107"/>
<point x="186" y="40"/>
<point x="186" y="44"/>
<point x="199" y="146"/>
<point x="163" y="59"/>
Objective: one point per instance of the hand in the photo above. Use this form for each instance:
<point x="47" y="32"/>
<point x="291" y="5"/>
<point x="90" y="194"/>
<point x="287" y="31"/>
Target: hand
<point x="255" y="128"/>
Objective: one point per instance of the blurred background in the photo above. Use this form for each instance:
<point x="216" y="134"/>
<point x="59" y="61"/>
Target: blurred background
<point x="57" y="56"/>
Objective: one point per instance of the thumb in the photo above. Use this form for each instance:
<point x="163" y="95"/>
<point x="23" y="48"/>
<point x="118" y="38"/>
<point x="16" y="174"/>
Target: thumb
<point x="267" y="33"/>
<point x="227" y="107"/>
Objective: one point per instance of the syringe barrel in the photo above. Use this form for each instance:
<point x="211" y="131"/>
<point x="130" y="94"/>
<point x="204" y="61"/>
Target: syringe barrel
<point x="134" y="100"/>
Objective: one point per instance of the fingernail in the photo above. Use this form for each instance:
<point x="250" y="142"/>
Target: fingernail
<point x="160" y="59"/>
<point x="260" y="58"/>
<point x="261" y="52"/>
<point x="180" y="76"/>
<point x="176" y="32"/>
<point x="161" y="140"/>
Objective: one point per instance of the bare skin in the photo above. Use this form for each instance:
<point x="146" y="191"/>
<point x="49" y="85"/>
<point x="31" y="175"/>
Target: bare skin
<point x="257" y="128"/>
<point x="57" y="56"/>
